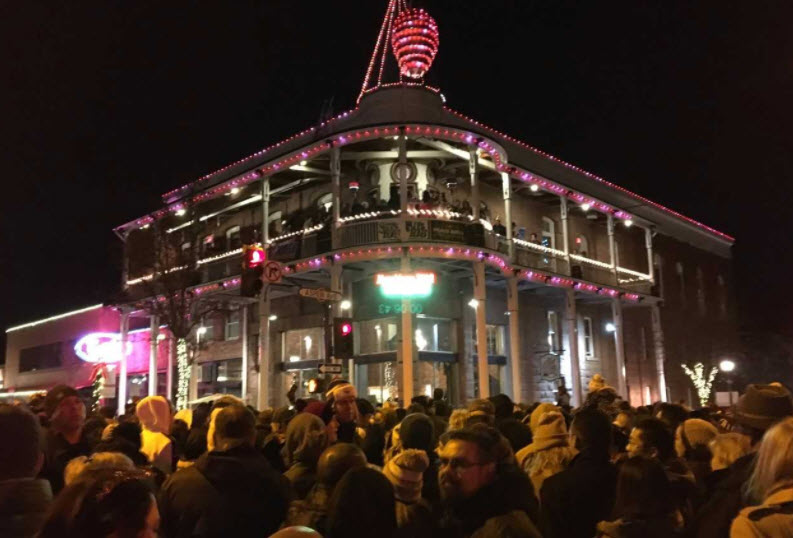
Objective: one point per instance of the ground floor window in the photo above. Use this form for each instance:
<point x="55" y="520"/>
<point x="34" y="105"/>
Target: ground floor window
<point x="220" y="377"/>
<point x="433" y="334"/>
<point x="378" y="335"/>
<point x="304" y="344"/>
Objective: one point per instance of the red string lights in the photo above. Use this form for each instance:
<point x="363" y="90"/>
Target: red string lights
<point x="415" y="41"/>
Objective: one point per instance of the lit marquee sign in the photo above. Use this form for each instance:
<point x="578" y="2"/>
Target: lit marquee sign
<point x="406" y="285"/>
<point x="101" y="348"/>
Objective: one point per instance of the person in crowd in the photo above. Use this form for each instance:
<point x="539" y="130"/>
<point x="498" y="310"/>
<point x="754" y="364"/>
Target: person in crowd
<point x="499" y="228"/>
<point x="333" y="464"/>
<point x="673" y="415"/>
<point x="759" y="408"/>
<point x="274" y="443"/>
<point x="457" y="419"/>
<point x="92" y="430"/>
<point x="481" y="412"/>
<point x="24" y="499"/>
<point x="517" y="433"/>
<point x="306" y="439"/>
<point x="231" y="490"/>
<point x="296" y="532"/>
<point x="180" y="429"/>
<point x="771" y="485"/>
<point x="651" y="438"/>
<point x="154" y="413"/>
<point x="125" y="438"/>
<point x="94" y="462"/>
<point x="362" y="505"/>
<point x="726" y="449"/>
<point x="341" y="412"/>
<point x="417" y="432"/>
<point x="576" y="499"/>
<point x="692" y="444"/>
<point x="562" y="397"/>
<point x="63" y="439"/>
<point x="365" y="412"/>
<point x="482" y="494"/>
<point x="643" y="507"/>
<point x="549" y="452"/>
<point x="373" y="444"/>
<point x="196" y="443"/>
<point x="104" y="503"/>
<point x="406" y="471"/>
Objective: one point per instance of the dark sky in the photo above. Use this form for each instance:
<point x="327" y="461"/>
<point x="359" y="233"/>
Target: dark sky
<point x="108" y="104"/>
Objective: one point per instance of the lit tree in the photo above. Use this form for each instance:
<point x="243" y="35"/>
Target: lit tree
<point x="702" y="382"/>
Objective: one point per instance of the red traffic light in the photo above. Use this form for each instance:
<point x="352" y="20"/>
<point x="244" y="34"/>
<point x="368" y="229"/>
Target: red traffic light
<point x="254" y="256"/>
<point x="346" y="328"/>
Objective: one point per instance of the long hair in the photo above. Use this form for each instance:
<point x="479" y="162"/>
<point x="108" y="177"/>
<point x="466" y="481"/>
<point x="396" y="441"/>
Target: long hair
<point x="643" y="490"/>
<point x="774" y="464"/>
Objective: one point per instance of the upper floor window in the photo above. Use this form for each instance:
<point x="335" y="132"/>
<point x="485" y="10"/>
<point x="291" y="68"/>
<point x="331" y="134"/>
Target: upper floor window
<point x="208" y="243"/>
<point x="554" y="345"/>
<point x="722" y="297"/>
<point x="681" y="277"/>
<point x="582" y="246"/>
<point x="233" y="239"/>
<point x="41" y="357"/>
<point x="495" y="340"/>
<point x="233" y="325"/>
<point x="701" y="291"/>
<point x="589" y="339"/>
<point x="548" y="233"/>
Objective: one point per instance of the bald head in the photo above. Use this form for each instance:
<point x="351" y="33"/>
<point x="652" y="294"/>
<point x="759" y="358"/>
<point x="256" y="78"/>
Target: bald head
<point x="337" y="460"/>
<point x="296" y="532"/>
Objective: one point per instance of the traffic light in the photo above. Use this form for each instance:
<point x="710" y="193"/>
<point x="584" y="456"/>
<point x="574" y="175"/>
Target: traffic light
<point x="253" y="257"/>
<point x="342" y="338"/>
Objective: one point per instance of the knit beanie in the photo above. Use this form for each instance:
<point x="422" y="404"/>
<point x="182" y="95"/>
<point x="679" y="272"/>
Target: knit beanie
<point x="698" y="432"/>
<point x="596" y="383"/>
<point x="537" y="414"/>
<point x="154" y="413"/>
<point x="54" y="397"/>
<point x="341" y="389"/>
<point x="406" y="472"/>
<point x="417" y="431"/>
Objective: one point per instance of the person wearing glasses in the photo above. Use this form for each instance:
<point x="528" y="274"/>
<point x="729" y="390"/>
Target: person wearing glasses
<point x="483" y="493"/>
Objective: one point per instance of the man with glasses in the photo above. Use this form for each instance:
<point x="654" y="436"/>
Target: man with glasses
<point x="482" y="490"/>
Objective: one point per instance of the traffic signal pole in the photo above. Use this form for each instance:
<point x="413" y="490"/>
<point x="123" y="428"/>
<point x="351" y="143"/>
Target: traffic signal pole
<point x="263" y="392"/>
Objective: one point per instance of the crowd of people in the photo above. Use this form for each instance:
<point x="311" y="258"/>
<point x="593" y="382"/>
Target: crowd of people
<point x="341" y="467"/>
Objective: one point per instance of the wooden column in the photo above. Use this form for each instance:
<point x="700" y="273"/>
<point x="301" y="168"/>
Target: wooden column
<point x="514" y="337"/>
<point x="153" y="347"/>
<point x="480" y="295"/>
<point x="121" y="389"/>
<point x="619" y="345"/>
<point x="407" y="342"/>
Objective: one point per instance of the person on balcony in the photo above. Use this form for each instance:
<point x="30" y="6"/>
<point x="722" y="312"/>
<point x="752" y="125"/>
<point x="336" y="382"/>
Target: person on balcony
<point x="498" y="228"/>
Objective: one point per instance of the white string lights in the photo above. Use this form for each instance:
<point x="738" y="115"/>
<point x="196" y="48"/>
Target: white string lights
<point x="702" y="382"/>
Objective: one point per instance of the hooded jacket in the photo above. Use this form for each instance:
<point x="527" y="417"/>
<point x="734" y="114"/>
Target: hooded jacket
<point x="23" y="507"/>
<point x="715" y="516"/>
<point x="305" y="441"/>
<point x="232" y="493"/>
<point x="154" y="413"/>
<point x="504" y="508"/>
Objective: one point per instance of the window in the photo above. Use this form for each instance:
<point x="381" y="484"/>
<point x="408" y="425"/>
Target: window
<point x="682" y="281"/>
<point x="553" y="332"/>
<point x="186" y="249"/>
<point x="304" y="344"/>
<point x="589" y="343"/>
<point x="206" y="332"/>
<point x="701" y="292"/>
<point x="378" y="335"/>
<point x="659" y="275"/>
<point x="41" y="357"/>
<point x="433" y="334"/>
<point x="233" y="240"/>
<point x="548" y="233"/>
<point x="233" y="325"/>
<point x="495" y="340"/>
<point x="581" y="246"/>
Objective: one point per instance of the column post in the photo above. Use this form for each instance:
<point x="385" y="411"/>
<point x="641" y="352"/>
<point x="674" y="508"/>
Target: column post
<point x="480" y="295"/>
<point x="407" y="342"/>
<point x="335" y="307"/>
<point x="335" y="173"/>
<point x="473" y="170"/>
<point x="612" y="248"/>
<point x="121" y="390"/>
<point x="658" y="347"/>
<point x="153" y="348"/>
<point x="571" y="322"/>
<point x="648" y="242"/>
<point x="244" y="338"/>
<point x="403" y="187"/>
<point x="169" y="370"/>
<point x="262" y="382"/>
<point x="514" y="336"/>
<point x="565" y="211"/>
<point x="507" y="188"/>
<point x="619" y="346"/>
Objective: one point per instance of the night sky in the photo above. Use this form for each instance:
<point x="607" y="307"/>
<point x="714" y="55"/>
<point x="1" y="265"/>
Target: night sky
<point x="108" y="104"/>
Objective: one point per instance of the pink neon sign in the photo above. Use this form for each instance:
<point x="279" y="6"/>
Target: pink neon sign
<point x="101" y="347"/>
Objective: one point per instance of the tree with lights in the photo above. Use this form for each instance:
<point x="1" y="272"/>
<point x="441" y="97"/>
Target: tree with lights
<point x="702" y="381"/>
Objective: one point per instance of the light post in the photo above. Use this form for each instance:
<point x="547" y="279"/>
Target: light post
<point x="727" y="367"/>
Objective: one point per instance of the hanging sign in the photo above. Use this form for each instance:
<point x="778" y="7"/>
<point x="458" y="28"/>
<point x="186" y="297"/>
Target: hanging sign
<point x="406" y="285"/>
<point x="101" y="348"/>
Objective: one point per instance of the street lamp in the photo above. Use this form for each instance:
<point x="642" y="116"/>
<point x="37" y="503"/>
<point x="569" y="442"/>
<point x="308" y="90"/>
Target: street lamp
<point x="346" y="304"/>
<point x="727" y="366"/>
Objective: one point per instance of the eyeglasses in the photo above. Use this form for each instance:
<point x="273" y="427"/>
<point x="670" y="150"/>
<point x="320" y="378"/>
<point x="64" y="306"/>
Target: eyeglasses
<point x="457" y="464"/>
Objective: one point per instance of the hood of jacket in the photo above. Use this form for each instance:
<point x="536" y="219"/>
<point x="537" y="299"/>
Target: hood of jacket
<point x="305" y="440"/>
<point x="241" y="470"/>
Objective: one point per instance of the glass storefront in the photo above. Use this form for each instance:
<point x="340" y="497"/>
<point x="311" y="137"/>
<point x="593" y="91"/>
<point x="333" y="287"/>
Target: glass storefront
<point x="220" y="377"/>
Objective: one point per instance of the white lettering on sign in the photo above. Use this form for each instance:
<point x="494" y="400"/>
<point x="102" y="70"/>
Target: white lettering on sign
<point x="417" y="284"/>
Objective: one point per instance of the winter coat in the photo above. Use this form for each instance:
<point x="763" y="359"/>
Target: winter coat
<point x="504" y="508"/>
<point x="23" y="507"/>
<point x="639" y="528"/>
<point x="774" y="518"/>
<point x="302" y="478"/>
<point x="715" y="516"/>
<point x="574" y="501"/>
<point x="414" y="520"/>
<point x="232" y="493"/>
<point x="57" y="453"/>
